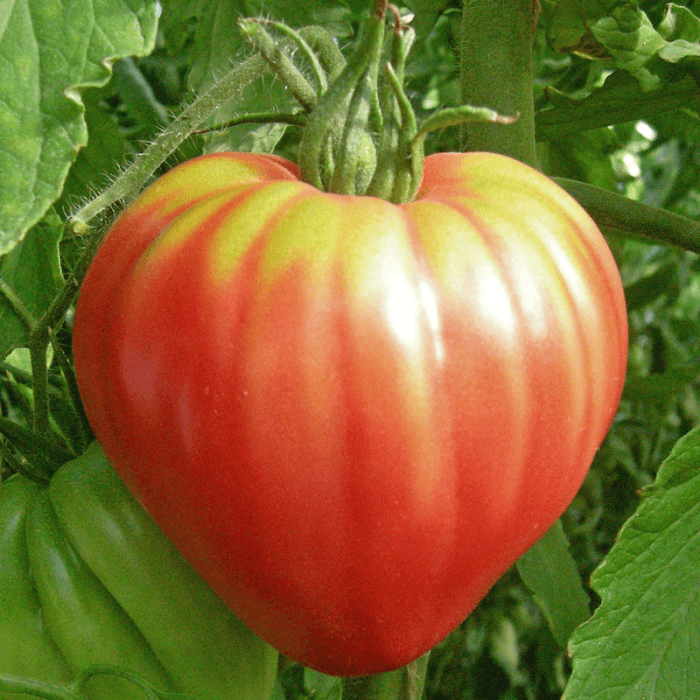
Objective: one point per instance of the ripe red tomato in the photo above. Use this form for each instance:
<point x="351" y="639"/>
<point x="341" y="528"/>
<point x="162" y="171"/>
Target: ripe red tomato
<point x="350" y="416"/>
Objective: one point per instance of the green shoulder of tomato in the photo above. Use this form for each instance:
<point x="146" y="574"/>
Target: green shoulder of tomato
<point x="89" y="581"/>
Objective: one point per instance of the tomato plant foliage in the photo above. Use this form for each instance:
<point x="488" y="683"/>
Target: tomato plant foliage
<point x="237" y="324"/>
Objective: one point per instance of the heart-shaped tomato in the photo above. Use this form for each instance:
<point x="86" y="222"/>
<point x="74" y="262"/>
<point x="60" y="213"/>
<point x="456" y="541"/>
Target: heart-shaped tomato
<point x="352" y="416"/>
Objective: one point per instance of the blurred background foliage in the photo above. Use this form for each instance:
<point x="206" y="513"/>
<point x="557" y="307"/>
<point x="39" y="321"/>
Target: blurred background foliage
<point x="504" y="651"/>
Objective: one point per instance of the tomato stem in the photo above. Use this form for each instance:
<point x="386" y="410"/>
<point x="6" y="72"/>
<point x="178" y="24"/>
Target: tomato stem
<point x="380" y="9"/>
<point x="38" y="345"/>
<point x="496" y="72"/>
<point x="403" y="684"/>
<point x="17" y="305"/>
<point x="306" y="51"/>
<point x="40" y="335"/>
<point x="128" y="185"/>
<point x="291" y="118"/>
<point x="361" y="135"/>
<point x="72" y="394"/>
<point x="620" y="214"/>
<point x="281" y="64"/>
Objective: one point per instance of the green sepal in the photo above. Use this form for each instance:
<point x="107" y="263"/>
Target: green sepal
<point x="327" y="121"/>
<point x="391" y="150"/>
<point x="291" y="76"/>
<point x="325" y="48"/>
<point x="409" y="156"/>
<point x="356" y="158"/>
<point x="456" y="116"/>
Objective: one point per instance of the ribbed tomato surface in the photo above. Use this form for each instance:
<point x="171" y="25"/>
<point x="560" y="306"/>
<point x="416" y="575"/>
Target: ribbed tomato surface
<point x="351" y="416"/>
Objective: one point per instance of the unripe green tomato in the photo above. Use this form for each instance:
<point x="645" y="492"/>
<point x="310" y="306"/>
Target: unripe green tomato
<point x="352" y="416"/>
<point x="88" y="581"/>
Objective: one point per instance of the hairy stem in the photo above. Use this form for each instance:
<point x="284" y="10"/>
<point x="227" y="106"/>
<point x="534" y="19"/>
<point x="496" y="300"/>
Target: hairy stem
<point x="307" y="52"/>
<point x="496" y="72"/>
<point x="291" y="118"/>
<point x="132" y="180"/>
<point x="280" y="63"/>
<point x="325" y="48"/>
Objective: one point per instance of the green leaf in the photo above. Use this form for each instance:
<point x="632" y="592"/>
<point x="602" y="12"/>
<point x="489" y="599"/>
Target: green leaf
<point x="620" y="32"/>
<point x="138" y="99"/>
<point x="50" y="52"/>
<point x="217" y="40"/>
<point x="630" y="39"/>
<point x="33" y="272"/>
<point x="644" y="640"/>
<point x="649" y="288"/>
<point x="261" y="139"/>
<point x="567" y="24"/>
<point x="679" y="23"/>
<point x="550" y="572"/>
<point x="582" y="156"/>
<point x="666" y="385"/>
<point x="681" y="28"/>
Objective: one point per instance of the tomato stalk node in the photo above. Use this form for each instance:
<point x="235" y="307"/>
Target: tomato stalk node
<point x="361" y="135"/>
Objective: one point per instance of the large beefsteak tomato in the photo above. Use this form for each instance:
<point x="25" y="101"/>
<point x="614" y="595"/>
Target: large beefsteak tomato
<point x="351" y="416"/>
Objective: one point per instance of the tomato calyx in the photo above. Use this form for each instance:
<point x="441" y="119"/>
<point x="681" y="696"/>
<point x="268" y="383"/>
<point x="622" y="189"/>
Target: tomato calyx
<point x="360" y="135"/>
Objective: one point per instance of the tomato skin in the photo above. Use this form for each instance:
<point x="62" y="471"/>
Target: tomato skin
<point x="350" y="416"/>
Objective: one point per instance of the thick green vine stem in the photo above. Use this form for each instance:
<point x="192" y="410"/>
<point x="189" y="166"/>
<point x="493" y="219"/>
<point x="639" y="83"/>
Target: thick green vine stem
<point x="496" y="72"/>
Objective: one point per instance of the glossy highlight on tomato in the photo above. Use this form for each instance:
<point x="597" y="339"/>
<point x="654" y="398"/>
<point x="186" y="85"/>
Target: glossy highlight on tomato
<point x="352" y="416"/>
